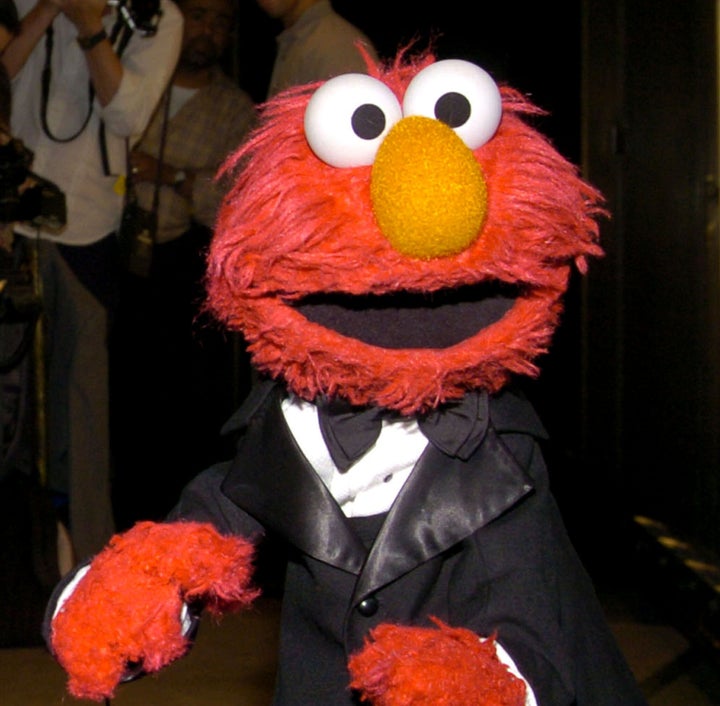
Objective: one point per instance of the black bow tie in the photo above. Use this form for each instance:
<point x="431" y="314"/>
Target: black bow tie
<point x="456" y="428"/>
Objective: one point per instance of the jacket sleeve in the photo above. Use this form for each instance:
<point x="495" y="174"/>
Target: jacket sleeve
<point x="202" y="500"/>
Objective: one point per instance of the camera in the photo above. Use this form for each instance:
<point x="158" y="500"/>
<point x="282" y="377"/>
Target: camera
<point x="141" y="16"/>
<point x="24" y="196"/>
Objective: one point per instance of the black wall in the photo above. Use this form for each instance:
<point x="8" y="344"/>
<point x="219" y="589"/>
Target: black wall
<point x="536" y="51"/>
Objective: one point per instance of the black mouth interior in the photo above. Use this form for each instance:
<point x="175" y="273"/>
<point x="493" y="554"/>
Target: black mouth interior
<point x="411" y="320"/>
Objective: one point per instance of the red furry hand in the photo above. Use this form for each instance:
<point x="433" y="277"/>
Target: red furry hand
<point x="127" y="608"/>
<point x="410" y="666"/>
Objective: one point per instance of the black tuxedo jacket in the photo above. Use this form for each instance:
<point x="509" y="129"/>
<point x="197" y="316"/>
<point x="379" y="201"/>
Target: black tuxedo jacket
<point x="478" y="543"/>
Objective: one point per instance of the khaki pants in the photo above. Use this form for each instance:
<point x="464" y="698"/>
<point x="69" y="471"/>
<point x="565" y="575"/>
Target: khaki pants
<point x="78" y="453"/>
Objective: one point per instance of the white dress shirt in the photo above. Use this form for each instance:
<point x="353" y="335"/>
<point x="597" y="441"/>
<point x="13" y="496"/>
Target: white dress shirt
<point x="94" y="200"/>
<point x="372" y="483"/>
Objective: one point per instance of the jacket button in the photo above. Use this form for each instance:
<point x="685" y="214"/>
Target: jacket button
<point x="368" y="607"/>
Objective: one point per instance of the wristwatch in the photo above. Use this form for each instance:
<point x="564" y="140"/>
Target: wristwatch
<point x="88" y="43"/>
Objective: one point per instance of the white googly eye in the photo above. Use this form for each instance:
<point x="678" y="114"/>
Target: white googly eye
<point x="460" y="94"/>
<point x="348" y="117"/>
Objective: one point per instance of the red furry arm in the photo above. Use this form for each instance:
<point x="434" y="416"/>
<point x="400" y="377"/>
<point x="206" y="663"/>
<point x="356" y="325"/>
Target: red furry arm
<point x="411" y="666"/>
<point x="127" y="608"/>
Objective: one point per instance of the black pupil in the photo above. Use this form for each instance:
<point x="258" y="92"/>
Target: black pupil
<point x="453" y="109"/>
<point x="368" y="121"/>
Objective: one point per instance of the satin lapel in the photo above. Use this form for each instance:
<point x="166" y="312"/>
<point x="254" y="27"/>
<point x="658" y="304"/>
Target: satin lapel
<point x="271" y="480"/>
<point x="444" y="501"/>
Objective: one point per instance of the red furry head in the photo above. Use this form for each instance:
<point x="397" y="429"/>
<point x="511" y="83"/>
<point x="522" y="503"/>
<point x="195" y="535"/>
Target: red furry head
<point x="399" y="238"/>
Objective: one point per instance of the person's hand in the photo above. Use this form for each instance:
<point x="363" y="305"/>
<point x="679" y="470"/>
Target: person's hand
<point x="86" y="15"/>
<point x="143" y="166"/>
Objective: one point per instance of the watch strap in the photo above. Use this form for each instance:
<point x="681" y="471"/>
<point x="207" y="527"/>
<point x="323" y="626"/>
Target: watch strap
<point x="87" y="43"/>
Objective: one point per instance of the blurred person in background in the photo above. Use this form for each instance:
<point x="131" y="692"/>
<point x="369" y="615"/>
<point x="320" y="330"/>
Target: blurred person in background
<point x="316" y="43"/>
<point x="171" y="373"/>
<point x="86" y="79"/>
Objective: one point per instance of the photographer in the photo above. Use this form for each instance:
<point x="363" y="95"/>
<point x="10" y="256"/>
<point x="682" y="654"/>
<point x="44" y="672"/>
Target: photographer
<point x="86" y="79"/>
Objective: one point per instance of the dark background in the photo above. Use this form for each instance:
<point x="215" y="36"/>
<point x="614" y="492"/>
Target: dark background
<point x="522" y="44"/>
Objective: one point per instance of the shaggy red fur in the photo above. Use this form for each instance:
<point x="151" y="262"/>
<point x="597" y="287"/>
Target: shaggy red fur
<point x="292" y="226"/>
<point x="136" y="588"/>
<point x="411" y="666"/>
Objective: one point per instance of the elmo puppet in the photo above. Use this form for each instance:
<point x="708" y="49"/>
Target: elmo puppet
<point x="394" y="249"/>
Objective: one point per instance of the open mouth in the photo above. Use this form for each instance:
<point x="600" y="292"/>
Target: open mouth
<point x="411" y="320"/>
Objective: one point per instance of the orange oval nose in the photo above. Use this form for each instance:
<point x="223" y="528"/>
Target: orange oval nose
<point x="428" y="191"/>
